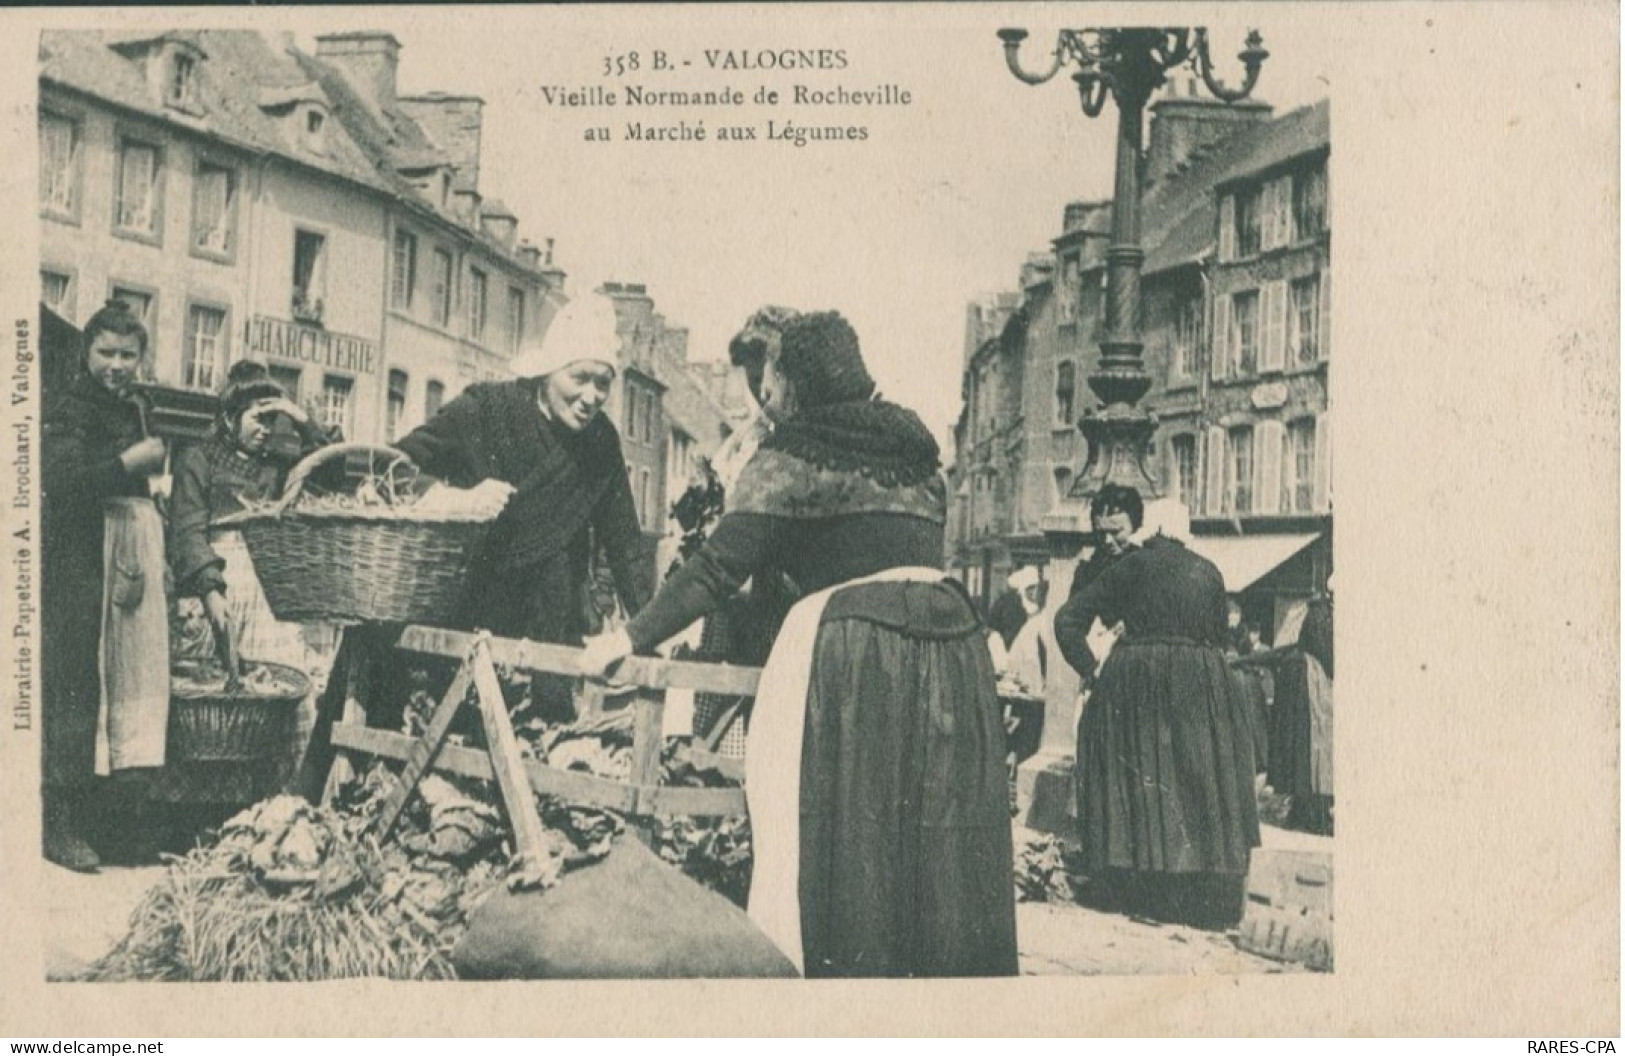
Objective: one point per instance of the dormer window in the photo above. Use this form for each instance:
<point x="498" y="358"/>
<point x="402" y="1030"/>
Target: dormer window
<point x="181" y="87"/>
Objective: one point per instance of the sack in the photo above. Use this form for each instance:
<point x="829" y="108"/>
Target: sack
<point x="631" y="916"/>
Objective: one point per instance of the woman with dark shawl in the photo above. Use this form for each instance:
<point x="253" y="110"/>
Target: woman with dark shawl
<point x="96" y="516"/>
<point x="1165" y="771"/>
<point x="875" y="771"/>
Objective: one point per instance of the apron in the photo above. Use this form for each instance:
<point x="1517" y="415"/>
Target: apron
<point x="132" y="720"/>
<point x="773" y="764"/>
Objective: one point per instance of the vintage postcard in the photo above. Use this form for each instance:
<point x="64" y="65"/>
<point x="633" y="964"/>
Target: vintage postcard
<point x="811" y="519"/>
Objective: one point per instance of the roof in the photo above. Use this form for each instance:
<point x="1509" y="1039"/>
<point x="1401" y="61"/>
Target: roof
<point x="245" y="76"/>
<point x="1180" y="213"/>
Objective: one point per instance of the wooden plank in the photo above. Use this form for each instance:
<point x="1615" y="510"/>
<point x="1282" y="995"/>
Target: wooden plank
<point x="506" y="760"/>
<point x="699" y="802"/>
<point x="574" y="786"/>
<point x="424" y="749"/>
<point x="648" y="672"/>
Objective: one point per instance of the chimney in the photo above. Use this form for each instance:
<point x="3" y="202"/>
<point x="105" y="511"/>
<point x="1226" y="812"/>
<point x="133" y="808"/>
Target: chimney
<point x="454" y="123"/>
<point x="368" y="60"/>
<point x="1183" y="125"/>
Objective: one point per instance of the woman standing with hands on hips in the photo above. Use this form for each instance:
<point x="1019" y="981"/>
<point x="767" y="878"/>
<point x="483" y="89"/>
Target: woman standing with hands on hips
<point x="875" y="762"/>
<point x="105" y="631"/>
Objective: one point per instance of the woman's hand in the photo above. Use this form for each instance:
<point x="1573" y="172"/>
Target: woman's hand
<point x="603" y="652"/>
<point x="283" y="405"/>
<point x="144" y="456"/>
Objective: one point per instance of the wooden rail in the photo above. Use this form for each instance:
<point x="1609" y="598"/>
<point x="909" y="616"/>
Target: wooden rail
<point x="343" y="712"/>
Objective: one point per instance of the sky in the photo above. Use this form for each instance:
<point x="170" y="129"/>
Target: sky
<point x="939" y="206"/>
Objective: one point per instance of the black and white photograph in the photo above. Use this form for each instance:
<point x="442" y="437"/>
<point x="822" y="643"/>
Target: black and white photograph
<point x="610" y="493"/>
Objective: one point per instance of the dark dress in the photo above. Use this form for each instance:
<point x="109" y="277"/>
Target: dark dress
<point x="572" y="493"/>
<point x="1301" y="731"/>
<point x="1165" y="757"/>
<point x="906" y="859"/>
<point x="84" y="428"/>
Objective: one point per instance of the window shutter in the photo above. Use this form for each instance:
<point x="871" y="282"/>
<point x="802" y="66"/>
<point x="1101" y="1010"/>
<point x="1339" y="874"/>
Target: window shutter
<point x="1213" y="500"/>
<point x="1323" y="463"/>
<point x="1219" y="354"/>
<point x="1325" y="315"/>
<point x="1267" y="456"/>
<point x="1272" y="354"/>
<point x="1227" y="228"/>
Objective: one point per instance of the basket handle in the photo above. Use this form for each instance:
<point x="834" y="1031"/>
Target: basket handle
<point x="323" y="455"/>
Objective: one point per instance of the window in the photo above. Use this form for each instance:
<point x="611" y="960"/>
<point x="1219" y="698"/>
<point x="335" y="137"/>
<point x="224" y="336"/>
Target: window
<point x="516" y="317"/>
<point x="477" y="302"/>
<point x="214" y="209"/>
<point x="56" y="290"/>
<point x="1244" y="331"/>
<point x="139" y="206"/>
<point x="1187" y="337"/>
<point x="203" y="356"/>
<point x="1239" y="479"/>
<point x="1303" y="320"/>
<point x="292" y="380"/>
<point x="404" y="275"/>
<point x="1298" y="482"/>
<point x="434" y="397"/>
<point x="59" y="166"/>
<point x="309" y="275"/>
<point x="440" y="287"/>
<point x="396" y="409"/>
<point x="182" y="81"/>
<point x="336" y="403"/>
<point x="1066" y="388"/>
<point x="1309" y="202"/>
<point x="1182" y="473"/>
<point x="1249" y="237"/>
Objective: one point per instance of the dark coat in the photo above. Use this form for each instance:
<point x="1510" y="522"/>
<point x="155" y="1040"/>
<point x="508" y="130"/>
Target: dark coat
<point x="84" y="428"/>
<point x="572" y="493"/>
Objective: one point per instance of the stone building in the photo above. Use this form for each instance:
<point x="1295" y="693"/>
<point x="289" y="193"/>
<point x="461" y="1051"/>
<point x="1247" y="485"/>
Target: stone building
<point x="1236" y="323"/>
<point x="250" y="199"/>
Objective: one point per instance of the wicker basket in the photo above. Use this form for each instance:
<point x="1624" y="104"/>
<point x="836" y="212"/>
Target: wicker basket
<point x="232" y="726"/>
<point x="359" y="565"/>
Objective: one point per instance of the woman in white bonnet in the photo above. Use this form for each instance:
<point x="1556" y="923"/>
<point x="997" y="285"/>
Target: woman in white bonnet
<point x="543" y="439"/>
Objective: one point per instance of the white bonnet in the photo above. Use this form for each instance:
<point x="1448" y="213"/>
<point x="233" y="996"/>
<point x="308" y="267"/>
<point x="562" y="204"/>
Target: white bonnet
<point x="584" y="329"/>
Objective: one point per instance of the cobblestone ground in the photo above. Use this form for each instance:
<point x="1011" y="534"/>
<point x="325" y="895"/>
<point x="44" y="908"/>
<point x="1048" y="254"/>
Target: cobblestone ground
<point x="86" y="915"/>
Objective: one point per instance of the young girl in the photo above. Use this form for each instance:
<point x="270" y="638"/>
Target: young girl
<point x="233" y="467"/>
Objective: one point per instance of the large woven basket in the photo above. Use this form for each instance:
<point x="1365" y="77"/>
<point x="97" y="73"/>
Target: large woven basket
<point x="358" y="565"/>
<point x="207" y="726"/>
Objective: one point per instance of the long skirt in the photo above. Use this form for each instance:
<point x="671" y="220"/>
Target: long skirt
<point x="1165" y="764"/>
<point x="1301" y="731"/>
<point x="133" y="721"/>
<point x="906" y="858"/>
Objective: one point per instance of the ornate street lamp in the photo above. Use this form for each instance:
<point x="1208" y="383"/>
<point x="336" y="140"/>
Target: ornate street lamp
<point x="1129" y="64"/>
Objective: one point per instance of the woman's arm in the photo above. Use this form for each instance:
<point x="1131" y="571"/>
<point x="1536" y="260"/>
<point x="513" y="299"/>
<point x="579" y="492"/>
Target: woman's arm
<point x="197" y="568"/>
<point x="615" y="524"/>
<point x="741" y="545"/>
<point x="449" y="445"/>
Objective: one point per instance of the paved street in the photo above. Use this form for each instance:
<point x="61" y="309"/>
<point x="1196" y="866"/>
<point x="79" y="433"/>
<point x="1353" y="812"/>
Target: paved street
<point x="87" y="916"/>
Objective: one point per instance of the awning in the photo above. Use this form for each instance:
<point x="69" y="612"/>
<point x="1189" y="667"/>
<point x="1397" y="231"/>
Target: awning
<point x="1246" y="559"/>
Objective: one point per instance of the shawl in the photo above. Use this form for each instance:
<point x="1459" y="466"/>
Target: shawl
<point x="865" y="456"/>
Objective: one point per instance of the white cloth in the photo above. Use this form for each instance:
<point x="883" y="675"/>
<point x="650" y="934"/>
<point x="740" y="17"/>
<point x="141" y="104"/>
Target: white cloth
<point x="773" y="764"/>
<point x="584" y="329"/>
<point x="132" y="719"/>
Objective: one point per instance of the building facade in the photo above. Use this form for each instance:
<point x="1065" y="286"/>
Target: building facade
<point x="1236" y="322"/>
<point x="242" y="196"/>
